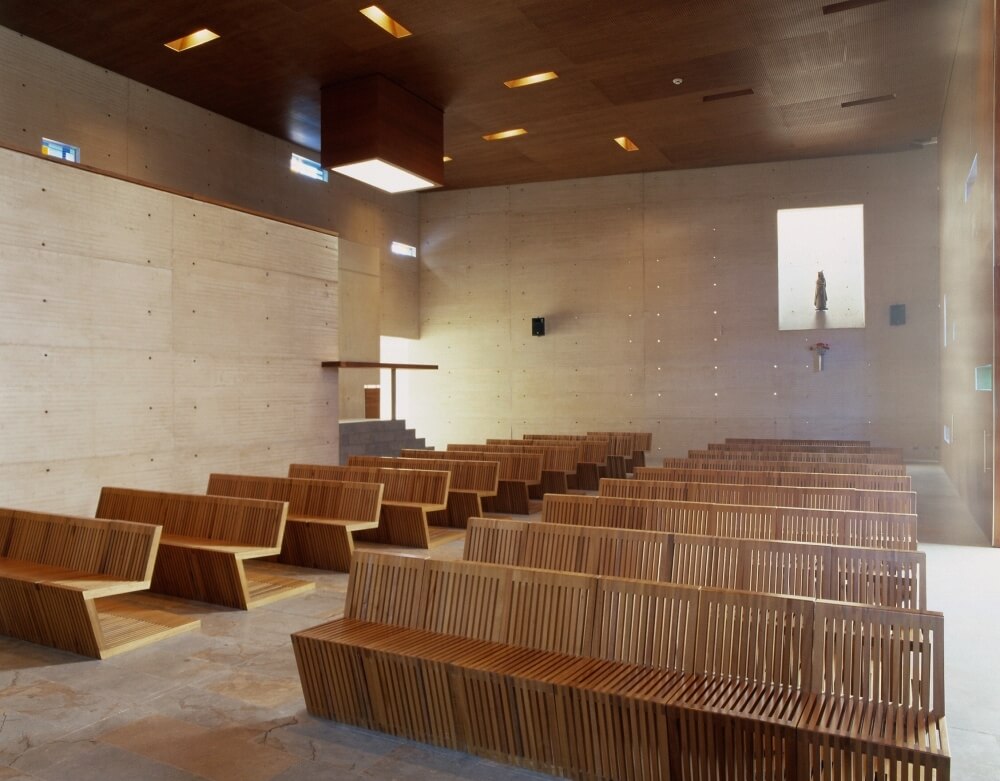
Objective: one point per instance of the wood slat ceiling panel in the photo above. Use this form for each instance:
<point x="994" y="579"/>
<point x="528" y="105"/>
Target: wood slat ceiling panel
<point x="616" y="63"/>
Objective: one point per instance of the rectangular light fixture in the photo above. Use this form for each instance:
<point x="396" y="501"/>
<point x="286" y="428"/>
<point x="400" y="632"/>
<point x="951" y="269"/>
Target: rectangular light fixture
<point x="866" y="101"/>
<point x="536" y="78"/>
<point x="504" y="134"/>
<point x="377" y="132"/>
<point x="190" y="41"/>
<point x="626" y="143"/>
<point x="386" y="22"/>
<point x="385" y="176"/>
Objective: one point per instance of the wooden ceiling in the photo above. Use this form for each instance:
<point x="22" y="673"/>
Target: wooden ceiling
<point x="617" y="62"/>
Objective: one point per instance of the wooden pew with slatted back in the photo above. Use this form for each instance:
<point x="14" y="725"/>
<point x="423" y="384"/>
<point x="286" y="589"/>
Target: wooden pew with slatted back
<point x="519" y="475"/>
<point x="598" y="677"/>
<point x="765" y="495"/>
<point x="892" y="531"/>
<point x="62" y="579"/>
<point x="763" y="465"/>
<point x="560" y="461"/>
<point x="322" y="514"/>
<point x="870" y="576"/>
<point x="206" y="543"/>
<point x="793" y="455"/>
<point x="409" y="498"/>
<point x="786" y="478"/>
<point x="593" y="457"/>
<point x="471" y="482"/>
<point x="894" y="452"/>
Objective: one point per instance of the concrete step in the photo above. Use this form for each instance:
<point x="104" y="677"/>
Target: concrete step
<point x="376" y="438"/>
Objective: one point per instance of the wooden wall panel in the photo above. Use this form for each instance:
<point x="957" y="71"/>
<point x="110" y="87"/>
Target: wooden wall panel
<point x="967" y="265"/>
<point x="660" y="298"/>
<point x="153" y="374"/>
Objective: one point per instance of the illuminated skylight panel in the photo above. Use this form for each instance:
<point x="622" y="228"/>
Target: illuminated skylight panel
<point x="535" y="78"/>
<point x="196" y="38"/>
<point x="386" y="22"/>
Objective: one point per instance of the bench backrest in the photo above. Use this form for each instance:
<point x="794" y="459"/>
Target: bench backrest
<point x="422" y="486"/>
<point x="865" y="575"/>
<point x="306" y="498"/>
<point x="481" y="477"/>
<point x="881" y="655"/>
<point x="764" y="495"/>
<point x="748" y="477"/>
<point x="771" y="640"/>
<point x="894" y="531"/>
<point x="895" y="452"/>
<point x="778" y="441"/>
<point x="763" y="465"/>
<point x="635" y="440"/>
<point x="591" y="450"/>
<point x="249" y="522"/>
<point x="794" y="455"/>
<point x="521" y="467"/>
<point x="116" y="549"/>
<point x="556" y="457"/>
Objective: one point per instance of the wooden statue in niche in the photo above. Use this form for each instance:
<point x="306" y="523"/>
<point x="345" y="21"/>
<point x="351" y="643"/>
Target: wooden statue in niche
<point x="820" y="298"/>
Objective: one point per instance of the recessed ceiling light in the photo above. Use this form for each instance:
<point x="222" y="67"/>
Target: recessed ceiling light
<point x="866" y="101"/>
<point x="535" y="78"/>
<point x="737" y="93"/>
<point x="190" y="41"/>
<point x="678" y="81"/>
<point x="446" y="159"/>
<point x="504" y="134"/>
<point x="386" y="22"/>
<point x="626" y="143"/>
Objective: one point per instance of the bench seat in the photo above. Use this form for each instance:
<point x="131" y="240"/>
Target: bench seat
<point x="61" y="579"/>
<point x="206" y="543"/>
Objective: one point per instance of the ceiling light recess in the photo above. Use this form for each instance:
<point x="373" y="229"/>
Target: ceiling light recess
<point x="736" y="93"/>
<point x="535" y="78"/>
<point x="520" y="131"/>
<point x="386" y="22"/>
<point x="379" y="133"/>
<point x="626" y="143"/>
<point x="866" y="101"/>
<point x="196" y="38"/>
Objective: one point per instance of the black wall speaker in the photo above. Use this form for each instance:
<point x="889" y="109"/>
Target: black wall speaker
<point x="538" y="326"/>
<point x="897" y="314"/>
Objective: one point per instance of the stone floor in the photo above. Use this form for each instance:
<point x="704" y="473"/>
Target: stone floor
<point x="224" y="703"/>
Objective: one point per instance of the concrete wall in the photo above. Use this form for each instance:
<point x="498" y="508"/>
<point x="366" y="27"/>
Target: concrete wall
<point x="147" y="339"/>
<point x="660" y="295"/>
<point x="129" y="129"/>
<point x="967" y="263"/>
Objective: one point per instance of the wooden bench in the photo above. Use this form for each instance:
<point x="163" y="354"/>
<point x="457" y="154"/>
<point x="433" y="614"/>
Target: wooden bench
<point x="870" y="576"/>
<point x="765" y="495"/>
<point x="322" y="514"/>
<point x="803" y="479"/>
<point x="783" y="441"/>
<point x="793" y="455"/>
<point x="894" y="452"/>
<point x="762" y="465"/>
<point x="595" y="677"/>
<point x="61" y="578"/>
<point x="890" y="531"/>
<point x="635" y="443"/>
<point x="519" y="475"/>
<point x="592" y="459"/>
<point x="471" y="482"/>
<point x="410" y="497"/>
<point x="560" y="461"/>
<point x="206" y="543"/>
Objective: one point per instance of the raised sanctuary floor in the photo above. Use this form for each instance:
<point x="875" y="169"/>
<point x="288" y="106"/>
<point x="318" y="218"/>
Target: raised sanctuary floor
<point x="224" y="703"/>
